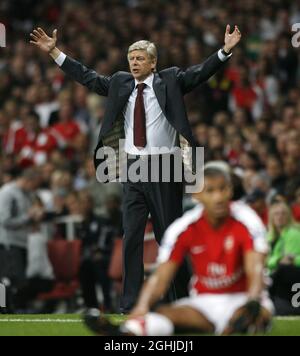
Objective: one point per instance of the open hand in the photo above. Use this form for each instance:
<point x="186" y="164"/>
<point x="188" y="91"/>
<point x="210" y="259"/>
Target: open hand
<point x="40" y="39"/>
<point x="231" y="39"/>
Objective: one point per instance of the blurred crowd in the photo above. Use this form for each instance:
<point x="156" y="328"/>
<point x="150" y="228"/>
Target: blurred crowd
<point x="248" y="114"/>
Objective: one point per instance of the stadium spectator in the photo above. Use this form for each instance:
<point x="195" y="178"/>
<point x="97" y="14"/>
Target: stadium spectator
<point x="284" y="259"/>
<point x="18" y="214"/>
<point x="97" y="235"/>
<point x="38" y="143"/>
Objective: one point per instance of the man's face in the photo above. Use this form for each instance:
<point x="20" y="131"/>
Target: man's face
<point x="30" y="185"/>
<point x="280" y="216"/>
<point x="31" y="124"/>
<point x="140" y="64"/>
<point x="216" y="196"/>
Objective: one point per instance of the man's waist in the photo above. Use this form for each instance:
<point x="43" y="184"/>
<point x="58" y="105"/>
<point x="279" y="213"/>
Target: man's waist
<point x="145" y="157"/>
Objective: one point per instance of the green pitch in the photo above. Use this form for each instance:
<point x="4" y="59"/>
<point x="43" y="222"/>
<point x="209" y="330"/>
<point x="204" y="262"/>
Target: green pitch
<point x="71" y="325"/>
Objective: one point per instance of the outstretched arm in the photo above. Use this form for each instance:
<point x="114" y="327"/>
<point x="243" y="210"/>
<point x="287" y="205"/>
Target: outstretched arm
<point x="200" y="73"/>
<point x="254" y="267"/>
<point x="155" y="288"/>
<point x="74" y="69"/>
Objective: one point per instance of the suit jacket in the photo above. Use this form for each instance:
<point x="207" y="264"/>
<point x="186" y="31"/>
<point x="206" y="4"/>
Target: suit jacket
<point x="170" y="85"/>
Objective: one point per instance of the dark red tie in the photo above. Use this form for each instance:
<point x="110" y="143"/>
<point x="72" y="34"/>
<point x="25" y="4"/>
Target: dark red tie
<point x="139" y="128"/>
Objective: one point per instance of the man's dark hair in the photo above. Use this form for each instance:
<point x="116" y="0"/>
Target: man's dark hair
<point x="32" y="113"/>
<point x="212" y="172"/>
<point x="30" y="174"/>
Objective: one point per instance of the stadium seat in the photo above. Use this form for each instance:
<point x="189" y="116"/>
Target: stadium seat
<point x="65" y="259"/>
<point x="150" y="253"/>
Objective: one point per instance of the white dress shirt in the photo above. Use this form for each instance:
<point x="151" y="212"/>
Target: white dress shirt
<point x="161" y="136"/>
<point x="159" y="133"/>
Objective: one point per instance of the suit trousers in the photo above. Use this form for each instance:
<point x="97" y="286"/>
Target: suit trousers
<point x="163" y="200"/>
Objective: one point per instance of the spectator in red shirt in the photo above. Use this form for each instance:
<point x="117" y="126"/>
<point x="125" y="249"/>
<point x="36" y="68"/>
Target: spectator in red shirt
<point x="14" y="133"/>
<point x="296" y="206"/>
<point x="67" y="129"/>
<point x="247" y="96"/>
<point x="39" y="143"/>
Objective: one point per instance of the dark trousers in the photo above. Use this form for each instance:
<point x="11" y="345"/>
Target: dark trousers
<point x="163" y="200"/>
<point x="92" y="274"/>
<point x="30" y="290"/>
<point x="13" y="262"/>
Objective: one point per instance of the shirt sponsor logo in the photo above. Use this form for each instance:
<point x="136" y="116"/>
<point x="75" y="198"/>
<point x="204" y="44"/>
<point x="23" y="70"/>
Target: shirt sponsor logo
<point x="229" y="243"/>
<point x="223" y="281"/>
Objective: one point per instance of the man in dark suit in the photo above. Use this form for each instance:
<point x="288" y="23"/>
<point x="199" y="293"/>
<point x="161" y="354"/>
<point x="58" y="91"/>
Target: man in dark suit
<point x="146" y="109"/>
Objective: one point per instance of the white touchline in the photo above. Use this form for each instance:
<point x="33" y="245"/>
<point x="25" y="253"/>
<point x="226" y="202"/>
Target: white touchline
<point x="292" y="318"/>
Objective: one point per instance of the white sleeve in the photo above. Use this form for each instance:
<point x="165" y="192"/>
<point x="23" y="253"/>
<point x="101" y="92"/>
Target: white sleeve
<point x="175" y="230"/>
<point x="60" y="59"/>
<point x="222" y="56"/>
<point x="249" y="218"/>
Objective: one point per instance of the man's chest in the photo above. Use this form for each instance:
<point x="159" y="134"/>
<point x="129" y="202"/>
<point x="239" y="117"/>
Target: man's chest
<point x="151" y="105"/>
<point x="212" y="253"/>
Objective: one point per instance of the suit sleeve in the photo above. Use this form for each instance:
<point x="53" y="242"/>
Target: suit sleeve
<point x="197" y="74"/>
<point x="85" y="76"/>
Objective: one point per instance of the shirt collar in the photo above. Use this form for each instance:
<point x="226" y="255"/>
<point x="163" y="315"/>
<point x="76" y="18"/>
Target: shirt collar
<point x="148" y="81"/>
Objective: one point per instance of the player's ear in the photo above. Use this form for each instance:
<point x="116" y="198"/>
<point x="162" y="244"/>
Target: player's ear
<point x="197" y="196"/>
<point x="153" y="64"/>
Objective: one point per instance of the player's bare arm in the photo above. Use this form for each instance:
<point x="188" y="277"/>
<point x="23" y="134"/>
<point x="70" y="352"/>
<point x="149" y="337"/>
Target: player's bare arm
<point x="254" y="266"/>
<point x="47" y="44"/>
<point x="252" y="316"/>
<point x="155" y="288"/>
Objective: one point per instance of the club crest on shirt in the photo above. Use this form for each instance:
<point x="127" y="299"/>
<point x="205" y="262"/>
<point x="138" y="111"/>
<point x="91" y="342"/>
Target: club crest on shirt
<point x="229" y="243"/>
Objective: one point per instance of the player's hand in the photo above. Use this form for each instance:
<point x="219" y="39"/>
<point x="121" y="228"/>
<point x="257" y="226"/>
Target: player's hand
<point x="138" y="312"/>
<point x="36" y="214"/>
<point x="251" y="318"/>
<point x="231" y="39"/>
<point x="40" y="39"/>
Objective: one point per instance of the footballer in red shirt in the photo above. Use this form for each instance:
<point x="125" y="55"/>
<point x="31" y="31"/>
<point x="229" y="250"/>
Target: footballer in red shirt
<point x="225" y="242"/>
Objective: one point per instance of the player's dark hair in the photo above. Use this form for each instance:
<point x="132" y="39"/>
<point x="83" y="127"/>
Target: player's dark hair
<point x="33" y="114"/>
<point x="213" y="172"/>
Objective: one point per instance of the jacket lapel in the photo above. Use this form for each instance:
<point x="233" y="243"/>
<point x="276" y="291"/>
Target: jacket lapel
<point x="125" y="92"/>
<point x="159" y="88"/>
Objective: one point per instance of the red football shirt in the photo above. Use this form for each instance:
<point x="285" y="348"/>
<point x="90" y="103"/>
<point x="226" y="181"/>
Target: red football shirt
<point x="217" y="255"/>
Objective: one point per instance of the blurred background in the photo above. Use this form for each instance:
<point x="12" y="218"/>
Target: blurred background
<point x="60" y="230"/>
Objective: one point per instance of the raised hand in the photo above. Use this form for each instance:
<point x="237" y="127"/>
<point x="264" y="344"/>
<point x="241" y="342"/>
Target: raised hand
<point x="231" y="39"/>
<point x="40" y="39"/>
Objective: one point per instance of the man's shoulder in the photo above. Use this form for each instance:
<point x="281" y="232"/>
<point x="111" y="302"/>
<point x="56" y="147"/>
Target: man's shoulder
<point x="183" y="223"/>
<point x="8" y="189"/>
<point x="11" y="186"/>
<point x="169" y="71"/>
<point x="121" y="75"/>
